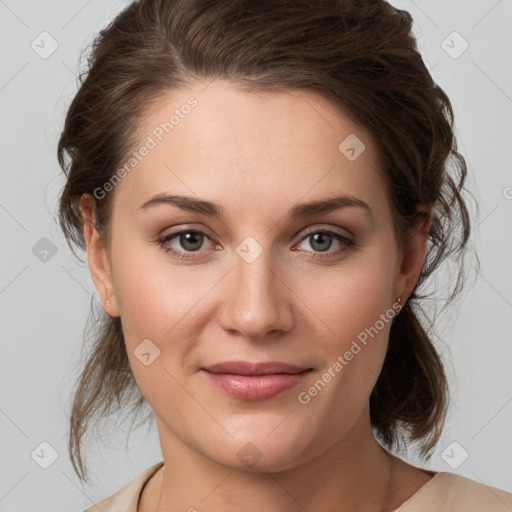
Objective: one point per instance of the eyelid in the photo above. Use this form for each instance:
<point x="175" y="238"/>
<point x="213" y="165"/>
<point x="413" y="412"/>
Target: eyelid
<point x="186" y="229"/>
<point x="347" y="241"/>
<point x="323" y="227"/>
<point x="310" y="230"/>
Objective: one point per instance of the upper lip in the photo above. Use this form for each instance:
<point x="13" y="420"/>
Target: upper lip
<point x="254" y="368"/>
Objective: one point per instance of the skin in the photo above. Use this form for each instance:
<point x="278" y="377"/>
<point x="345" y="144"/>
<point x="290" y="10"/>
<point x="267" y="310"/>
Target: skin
<point x="258" y="155"/>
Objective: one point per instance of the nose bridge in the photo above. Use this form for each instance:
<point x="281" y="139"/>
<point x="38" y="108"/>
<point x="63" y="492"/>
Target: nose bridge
<point x="258" y="302"/>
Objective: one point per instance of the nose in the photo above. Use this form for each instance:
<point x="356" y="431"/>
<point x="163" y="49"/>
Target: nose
<point x="258" y="300"/>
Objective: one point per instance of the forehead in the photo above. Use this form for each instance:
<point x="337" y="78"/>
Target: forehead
<point x="225" y="144"/>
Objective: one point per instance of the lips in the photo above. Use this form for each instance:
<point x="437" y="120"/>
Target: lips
<point x="250" y="369"/>
<point x="254" y="381"/>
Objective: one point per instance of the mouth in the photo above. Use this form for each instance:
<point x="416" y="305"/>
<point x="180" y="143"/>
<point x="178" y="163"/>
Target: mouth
<point x="254" y="380"/>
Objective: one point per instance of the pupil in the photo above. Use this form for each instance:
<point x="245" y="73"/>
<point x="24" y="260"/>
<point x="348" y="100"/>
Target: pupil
<point x="319" y="238"/>
<point x="191" y="238"/>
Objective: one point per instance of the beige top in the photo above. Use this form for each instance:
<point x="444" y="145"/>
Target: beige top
<point x="444" y="492"/>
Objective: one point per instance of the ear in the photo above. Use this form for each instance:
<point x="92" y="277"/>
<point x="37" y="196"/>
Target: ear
<point x="97" y="257"/>
<point x="413" y="256"/>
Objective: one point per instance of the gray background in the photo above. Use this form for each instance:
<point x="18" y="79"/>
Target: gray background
<point x="44" y="304"/>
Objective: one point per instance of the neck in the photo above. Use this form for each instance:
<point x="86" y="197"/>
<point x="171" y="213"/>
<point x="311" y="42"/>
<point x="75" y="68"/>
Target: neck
<point x="356" y="473"/>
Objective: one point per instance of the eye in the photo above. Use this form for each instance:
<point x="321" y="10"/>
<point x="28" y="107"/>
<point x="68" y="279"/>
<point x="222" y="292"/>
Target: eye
<point x="183" y="244"/>
<point x="322" y="240"/>
<point x="187" y="240"/>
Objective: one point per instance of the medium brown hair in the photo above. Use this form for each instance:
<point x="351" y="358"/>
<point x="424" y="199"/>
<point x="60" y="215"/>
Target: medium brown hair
<point x="362" y="56"/>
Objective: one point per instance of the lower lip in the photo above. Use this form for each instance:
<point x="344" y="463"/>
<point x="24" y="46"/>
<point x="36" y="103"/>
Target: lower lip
<point x="257" y="387"/>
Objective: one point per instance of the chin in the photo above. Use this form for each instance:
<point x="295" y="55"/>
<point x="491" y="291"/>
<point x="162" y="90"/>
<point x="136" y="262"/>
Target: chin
<point x="261" y="449"/>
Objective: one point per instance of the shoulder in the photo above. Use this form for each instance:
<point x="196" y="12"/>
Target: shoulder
<point x="126" y="499"/>
<point x="450" y="492"/>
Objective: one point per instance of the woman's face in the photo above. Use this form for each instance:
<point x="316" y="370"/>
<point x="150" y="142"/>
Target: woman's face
<point x="265" y="279"/>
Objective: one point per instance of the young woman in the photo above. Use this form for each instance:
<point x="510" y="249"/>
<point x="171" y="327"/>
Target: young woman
<point x="262" y="188"/>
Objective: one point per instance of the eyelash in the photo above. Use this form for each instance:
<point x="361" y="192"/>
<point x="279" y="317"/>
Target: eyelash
<point x="319" y="256"/>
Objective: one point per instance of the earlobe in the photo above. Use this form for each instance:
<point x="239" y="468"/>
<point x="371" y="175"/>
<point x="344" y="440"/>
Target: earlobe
<point x="415" y="249"/>
<point x="97" y="257"/>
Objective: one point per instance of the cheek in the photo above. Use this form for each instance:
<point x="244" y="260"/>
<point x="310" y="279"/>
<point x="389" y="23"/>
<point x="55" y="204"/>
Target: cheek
<point x="151" y="294"/>
<point x="350" y="300"/>
<point x="160" y="300"/>
<point x="354" y="309"/>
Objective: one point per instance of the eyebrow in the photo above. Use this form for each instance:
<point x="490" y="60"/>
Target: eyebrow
<point x="192" y="204"/>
